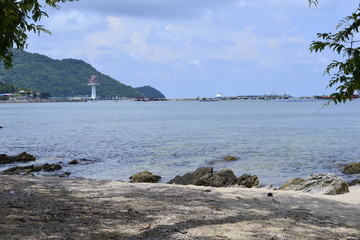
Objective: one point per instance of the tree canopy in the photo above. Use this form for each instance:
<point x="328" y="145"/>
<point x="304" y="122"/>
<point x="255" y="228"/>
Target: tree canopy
<point x="344" y="42"/>
<point x="17" y="18"/>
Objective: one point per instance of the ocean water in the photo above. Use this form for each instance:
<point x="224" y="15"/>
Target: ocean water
<point x="276" y="140"/>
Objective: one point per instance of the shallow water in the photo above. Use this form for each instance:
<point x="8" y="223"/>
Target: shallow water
<point x="275" y="140"/>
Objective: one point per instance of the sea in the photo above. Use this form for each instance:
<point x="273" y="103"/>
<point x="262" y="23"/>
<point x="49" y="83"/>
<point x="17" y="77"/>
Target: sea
<point x="274" y="139"/>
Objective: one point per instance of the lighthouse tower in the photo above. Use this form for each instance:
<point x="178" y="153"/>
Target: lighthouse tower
<point x="93" y="82"/>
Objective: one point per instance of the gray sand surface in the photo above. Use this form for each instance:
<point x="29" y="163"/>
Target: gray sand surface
<point x="60" y="208"/>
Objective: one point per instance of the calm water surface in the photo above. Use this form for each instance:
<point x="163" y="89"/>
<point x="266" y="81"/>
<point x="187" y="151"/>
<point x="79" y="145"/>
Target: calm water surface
<point x="274" y="140"/>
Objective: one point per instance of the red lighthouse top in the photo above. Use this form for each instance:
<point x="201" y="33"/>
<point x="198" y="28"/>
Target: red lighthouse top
<point x="93" y="80"/>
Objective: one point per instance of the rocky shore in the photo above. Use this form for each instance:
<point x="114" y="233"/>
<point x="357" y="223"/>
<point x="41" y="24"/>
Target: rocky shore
<point x="47" y="207"/>
<point x="204" y="204"/>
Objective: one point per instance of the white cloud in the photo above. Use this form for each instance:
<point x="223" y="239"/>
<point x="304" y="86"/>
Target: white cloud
<point x="73" y="22"/>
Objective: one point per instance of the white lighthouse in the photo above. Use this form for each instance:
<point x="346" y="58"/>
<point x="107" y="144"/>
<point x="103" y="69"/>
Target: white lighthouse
<point x="93" y="82"/>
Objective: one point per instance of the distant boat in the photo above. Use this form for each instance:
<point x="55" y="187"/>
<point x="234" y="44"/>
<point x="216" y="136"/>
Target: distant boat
<point x="218" y="95"/>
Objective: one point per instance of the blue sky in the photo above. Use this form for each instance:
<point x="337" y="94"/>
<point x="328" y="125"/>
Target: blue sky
<point x="196" y="48"/>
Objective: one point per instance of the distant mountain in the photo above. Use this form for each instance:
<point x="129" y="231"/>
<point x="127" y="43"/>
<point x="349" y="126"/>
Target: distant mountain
<point x="150" y="92"/>
<point x="60" y="78"/>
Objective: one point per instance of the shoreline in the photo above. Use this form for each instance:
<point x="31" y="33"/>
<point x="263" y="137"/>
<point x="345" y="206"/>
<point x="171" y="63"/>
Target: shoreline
<point x="48" y="207"/>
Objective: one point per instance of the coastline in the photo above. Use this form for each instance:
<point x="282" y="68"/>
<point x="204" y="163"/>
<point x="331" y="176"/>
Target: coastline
<point x="42" y="100"/>
<point x="45" y="207"/>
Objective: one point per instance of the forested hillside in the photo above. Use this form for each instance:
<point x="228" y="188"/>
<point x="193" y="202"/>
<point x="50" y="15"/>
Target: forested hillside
<point x="6" y="88"/>
<point x="60" y="78"/>
<point x="150" y="92"/>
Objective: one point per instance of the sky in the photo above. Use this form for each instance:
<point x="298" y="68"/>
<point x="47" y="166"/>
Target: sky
<point x="198" y="48"/>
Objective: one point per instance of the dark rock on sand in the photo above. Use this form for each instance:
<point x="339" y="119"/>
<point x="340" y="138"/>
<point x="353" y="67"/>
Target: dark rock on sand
<point x="205" y="176"/>
<point x="144" y="177"/>
<point x="354" y="182"/>
<point x="328" y="184"/>
<point x="352" y="168"/>
<point x="74" y="162"/>
<point x="248" y="181"/>
<point x="22" y="157"/>
<point x="26" y="170"/>
<point x="199" y="177"/>
<point x="223" y="178"/>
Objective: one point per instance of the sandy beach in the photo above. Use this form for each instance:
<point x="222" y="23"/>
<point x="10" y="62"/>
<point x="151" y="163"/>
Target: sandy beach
<point x="64" y="208"/>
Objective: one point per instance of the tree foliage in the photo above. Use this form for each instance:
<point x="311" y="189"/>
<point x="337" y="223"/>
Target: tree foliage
<point x="17" y="18"/>
<point x="150" y="92"/>
<point x="344" y="42"/>
<point x="7" y="88"/>
<point x="315" y="2"/>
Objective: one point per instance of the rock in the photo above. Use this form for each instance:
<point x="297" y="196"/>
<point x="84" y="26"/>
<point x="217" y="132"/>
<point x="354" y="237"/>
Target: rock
<point x="144" y="176"/>
<point x="223" y="178"/>
<point x="292" y="184"/>
<point x="248" y="181"/>
<point x="230" y="158"/>
<point x="354" y="182"/>
<point x="22" y="170"/>
<point x="179" y="180"/>
<point x="26" y="170"/>
<point x="22" y="157"/>
<point x="50" y="167"/>
<point x="205" y="176"/>
<point x="201" y="176"/>
<point x="352" y="168"/>
<point x="74" y="162"/>
<point x="328" y="184"/>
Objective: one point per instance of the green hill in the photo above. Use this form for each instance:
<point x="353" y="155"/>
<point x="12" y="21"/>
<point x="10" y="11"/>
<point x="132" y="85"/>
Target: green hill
<point x="150" y="92"/>
<point x="60" y="78"/>
<point x="7" y="88"/>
